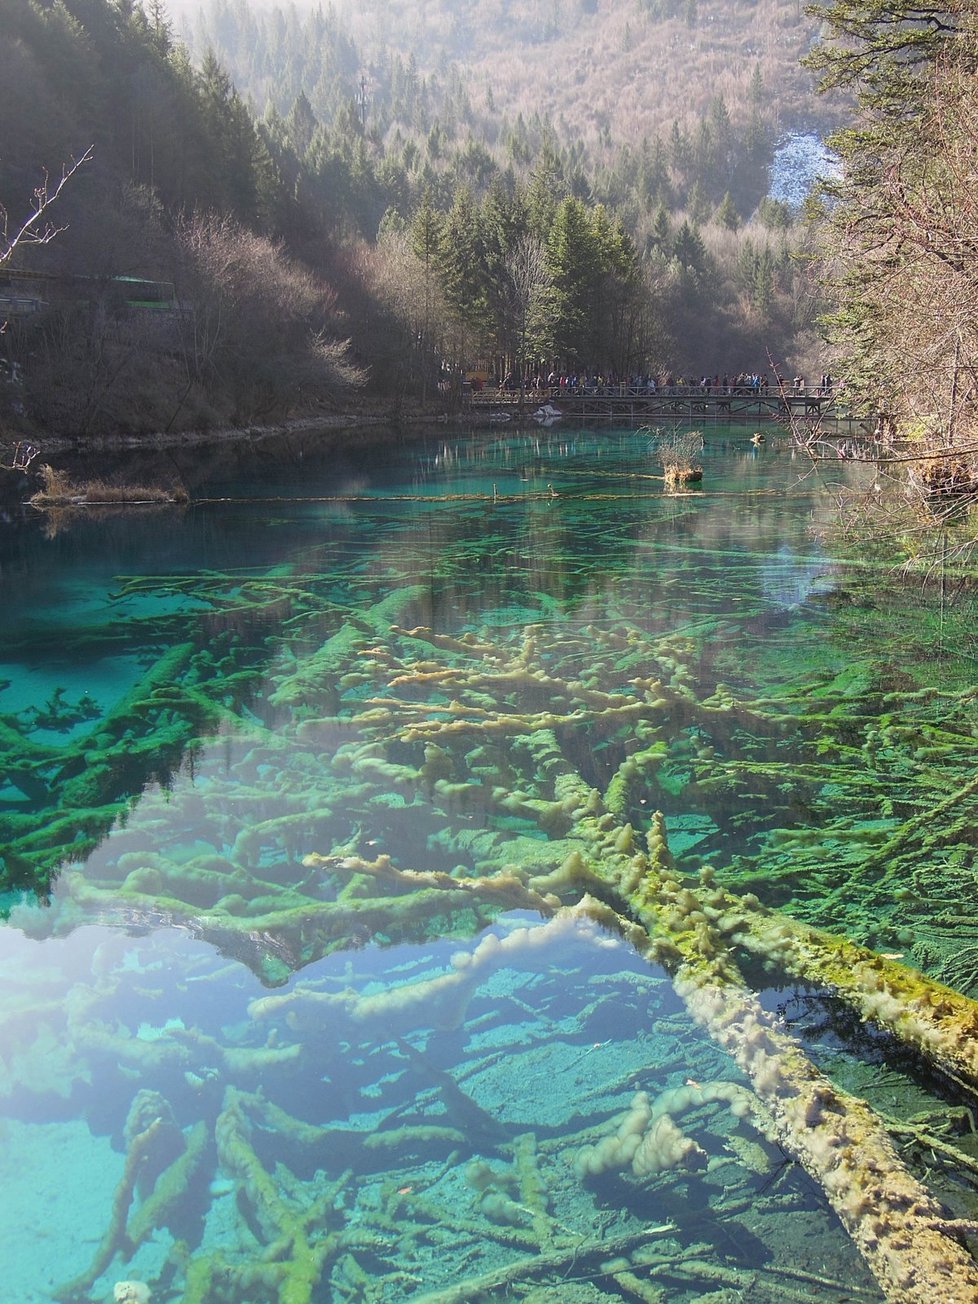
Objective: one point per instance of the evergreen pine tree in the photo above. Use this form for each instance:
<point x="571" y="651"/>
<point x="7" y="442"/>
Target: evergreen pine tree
<point x="726" y="213"/>
<point x="688" y="248"/>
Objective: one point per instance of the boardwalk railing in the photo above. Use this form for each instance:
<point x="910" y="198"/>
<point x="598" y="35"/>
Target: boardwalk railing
<point x="643" y="403"/>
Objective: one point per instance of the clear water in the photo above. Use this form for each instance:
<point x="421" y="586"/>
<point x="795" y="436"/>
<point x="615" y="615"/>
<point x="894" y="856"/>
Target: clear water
<point x="243" y="1055"/>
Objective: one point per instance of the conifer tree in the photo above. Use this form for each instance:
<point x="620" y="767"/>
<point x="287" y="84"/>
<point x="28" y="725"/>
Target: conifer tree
<point x="300" y="124"/>
<point x="460" y="262"/>
<point x="661" y="229"/>
<point x="574" y="261"/>
<point x="232" y="140"/>
<point x="426" y="244"/>
<point x="688" y="248"/>
<point x="882" y="49"/>
<point x="726" y="214"/>
<point x="546" y="188"/>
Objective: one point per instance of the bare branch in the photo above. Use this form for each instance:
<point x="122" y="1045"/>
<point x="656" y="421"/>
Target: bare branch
<point x="21" y="456"/>
<point x="36" y="228"/>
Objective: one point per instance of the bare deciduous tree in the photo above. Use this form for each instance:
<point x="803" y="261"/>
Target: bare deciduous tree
<point x="258" y="327"/>
<point x="900" y="249"/>
<point x="528" y="278"/>
<point x="34" y="229"/>
<point x="398" y="278"/>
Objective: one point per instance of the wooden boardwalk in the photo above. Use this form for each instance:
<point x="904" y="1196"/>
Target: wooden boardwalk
<point x="637" y="405"/>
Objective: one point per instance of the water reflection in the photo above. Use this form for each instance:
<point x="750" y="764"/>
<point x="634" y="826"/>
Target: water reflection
<point x="172" y="632"/>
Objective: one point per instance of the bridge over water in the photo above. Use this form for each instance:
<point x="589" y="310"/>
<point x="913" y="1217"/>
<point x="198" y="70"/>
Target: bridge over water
<point x="641" y="405"/>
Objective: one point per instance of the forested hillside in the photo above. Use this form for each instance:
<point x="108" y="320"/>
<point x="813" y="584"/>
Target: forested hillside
<point x="643" y="102"/>
<point x="182" y="192"/>
<point x="599" y="70"/>
<point x="660" y="118"/>
<point x="588" y="190"/>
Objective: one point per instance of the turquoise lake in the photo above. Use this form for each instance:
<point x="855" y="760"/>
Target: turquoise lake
<point x="323" y="967"/>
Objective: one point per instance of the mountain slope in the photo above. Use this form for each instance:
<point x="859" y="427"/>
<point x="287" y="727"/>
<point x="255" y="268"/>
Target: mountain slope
<point x="604" y="72"/>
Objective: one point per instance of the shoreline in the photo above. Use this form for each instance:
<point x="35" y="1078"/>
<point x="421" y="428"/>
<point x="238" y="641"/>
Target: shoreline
<point x="395" y="417"/>
<point x="329" y="423"/>
<point x="152" y="458"/>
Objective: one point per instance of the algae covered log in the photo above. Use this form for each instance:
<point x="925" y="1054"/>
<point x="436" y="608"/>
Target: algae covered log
<point x="900" y="1229"/>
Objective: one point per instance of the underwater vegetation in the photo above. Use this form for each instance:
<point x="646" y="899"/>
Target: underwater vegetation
<point x="498" y="742"/>
<point x="340" y="1141"/>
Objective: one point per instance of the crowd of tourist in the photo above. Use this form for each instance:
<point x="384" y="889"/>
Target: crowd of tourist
<point x="557" y="383"/>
